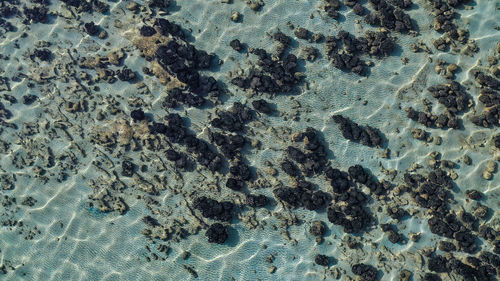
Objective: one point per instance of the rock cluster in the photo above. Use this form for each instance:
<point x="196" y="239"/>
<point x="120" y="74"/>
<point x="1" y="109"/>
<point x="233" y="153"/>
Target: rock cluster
<point x="442" y="121"/>
<point x="276" y="74"/>
<point x="302" y="197"/>
<point x="452" y="96"/>
<point x="234" y="119"/>
<point x="389" y="17"/>
<point x="217" y="233"/>
<point x="212" y="209"/>
<point x="490" y="98"/>
<point x="368" y="135"/>
<point x="365" y="271"/>
<point x="313" y="160"/>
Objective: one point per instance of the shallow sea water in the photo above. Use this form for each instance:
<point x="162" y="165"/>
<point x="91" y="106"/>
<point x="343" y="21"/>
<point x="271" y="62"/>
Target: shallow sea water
<point x="77" y="242"/>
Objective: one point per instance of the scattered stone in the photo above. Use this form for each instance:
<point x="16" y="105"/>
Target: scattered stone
<point x="236" y="45"/>
<point x="235" y="17"/>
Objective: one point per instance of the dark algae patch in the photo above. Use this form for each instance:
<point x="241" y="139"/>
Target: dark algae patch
<point x="310" y="137"/>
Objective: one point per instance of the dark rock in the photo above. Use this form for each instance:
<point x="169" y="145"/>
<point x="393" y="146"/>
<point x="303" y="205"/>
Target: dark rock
<point x="486" y="80"/>
<point x="437" y="264"/>
<point x="82" y="6"/>
<point x="36" y="14"/>
<point x="358" y="9"/>
<point x="29" y="99"/>
<point x="290" y="168"/>
<point x="147" y="31"/>
<point x="297" y="155"/>
<point x="241" y="171"/>
<point x="256" y="200"/>
<point x="379" y="44"/>
<point x="271" y="76"/>
<point x="43" y="54"/>
<point x="300" y="197"/>
<point x="316" y="200"/>
<point x="100" y="7"/>
<point x="314" y="159"/>
<point x="368" y="136"/>
<point x="442" y="121"/>
<point x="489" y="97"/>
<point x="236" y="45"/>
<point x="172" y="155"/>
<point x="490" y="117"/>
<point x="137" y="115"/>
<point x="322" y="260"/>
<point x="302" y="33"/>
<point x="491" y="259"/>
<point x="282" y="38"/>
<point x="230" y="145"/>
<point x="213" y="209"/>
<point x="235" y="184"/>
<point x="168" y="28"/>
<point x="352" y="214"/>
<point x="331" y="7"/>
<point x="162" y="4"/>
<point x="473" y="194"/>
<point x="402" y="4"/>
<point x="393" y="236"/>
<point x="91" y="28"/>
<point x="339" y="180"/>
<point x="451" y="95"/>
<point x="127" y="168"/>
<point x="125" y="74"/>
<point x="233" y="120"/>
<point x="431" y="277"/>
<point x="317" y="228"/>
<point x="365" y="271"/>
<point x="177" y="96"/>
<point x="158" y="128"/>
<point x="262" y="106"/>
<point x="446" y="246"/>
<point x="217" y="233"/>
<point x="488" y="233"/>
<point x="389" y="17"/>
<point x="466" y="241"/>
<point x="396" y="212"/>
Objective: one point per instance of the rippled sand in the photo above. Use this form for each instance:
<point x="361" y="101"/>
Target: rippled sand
<point x="79" y="243"/>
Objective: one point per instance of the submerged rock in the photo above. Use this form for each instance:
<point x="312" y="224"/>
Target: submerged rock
<point x="217" y="233"/>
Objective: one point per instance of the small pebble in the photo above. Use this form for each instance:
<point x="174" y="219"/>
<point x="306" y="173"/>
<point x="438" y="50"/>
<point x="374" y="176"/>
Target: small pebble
<point x="235" y="16"/>
<point x="272" y="269"/>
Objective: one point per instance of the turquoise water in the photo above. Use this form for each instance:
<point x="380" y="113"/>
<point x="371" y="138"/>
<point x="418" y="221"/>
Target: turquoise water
<point x="63" y="238"/>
